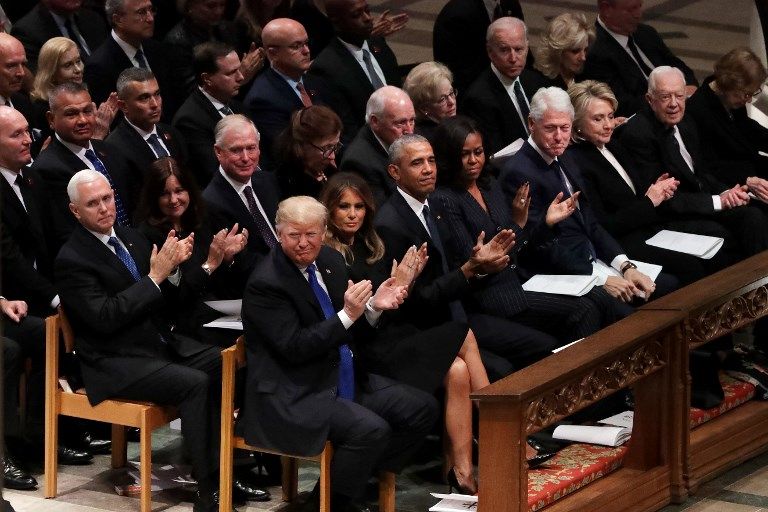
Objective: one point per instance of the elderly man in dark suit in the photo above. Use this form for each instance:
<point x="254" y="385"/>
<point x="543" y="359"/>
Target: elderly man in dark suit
<point x="579" y="244"/>
<point x="241" y="193"/>
<point x="458" y="38"/>
<point x="305" y="384"/>
<point x="217" y="71"/>
<point x="13" y="61"/>
<point x="625" y="52"/>
<point x="131" y="45"/>
<point x="660" y="138"/>
<point x="52" y="18"/>
<point x="72" y="118"/>
<point x="140" y="136"/>
<point x="499" y="98"/>
<point x="113" y="287"/>
<point x="355" y="64"/>
<point x="389" y="114"/>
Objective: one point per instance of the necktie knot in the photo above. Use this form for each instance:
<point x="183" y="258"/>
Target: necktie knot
<point x="226" y="110"/>
<point x="21" y="180"/>
<point x="157" y="147"/>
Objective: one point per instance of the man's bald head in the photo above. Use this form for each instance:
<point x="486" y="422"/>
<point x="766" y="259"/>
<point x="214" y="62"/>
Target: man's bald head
<point x="287" y="47"/>
<point x="13" y="60"/>
<point x="14" y="139"/>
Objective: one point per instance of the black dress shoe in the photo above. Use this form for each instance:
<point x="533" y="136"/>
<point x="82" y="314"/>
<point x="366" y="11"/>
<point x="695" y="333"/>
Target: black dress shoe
<point x="15" y="477"/>
<point x="71" y="457"/>
<point x="208" y="502"/>
<point x="542" y="456"/>
<point x="243" y="490"/>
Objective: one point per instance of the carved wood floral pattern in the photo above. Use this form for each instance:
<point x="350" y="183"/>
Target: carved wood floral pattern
<point x="597" y="384"/>
<point x="718" y="320"/>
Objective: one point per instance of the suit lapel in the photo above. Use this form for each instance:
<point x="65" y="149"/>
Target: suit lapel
<point x="93" y="248"/>
<point x="353" y="68"/>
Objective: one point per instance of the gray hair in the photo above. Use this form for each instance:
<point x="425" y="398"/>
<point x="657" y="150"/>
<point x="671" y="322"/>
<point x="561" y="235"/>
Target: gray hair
<point x="81" y="177"/>
<point x="505" y="23"/>
<point x="397" y="148"/>
<point x="232" y="122"/>
<point x="66" y="87"/>
<point x="300" y="210"/>
<point x="112" y="7"/>
<point x="377" y="102"/>
<point x="658" y="72"/>
<point x="132" y="75"/>
<point x="550" y="98"/>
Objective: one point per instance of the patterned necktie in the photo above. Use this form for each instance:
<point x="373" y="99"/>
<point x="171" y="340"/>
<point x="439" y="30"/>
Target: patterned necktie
<point x="346" y="367"/>
<point x="125" y="257"/>
<point x="261" y="223"/>
<point x="375" y="80"/>
<point x="139" y="57"/>
<point x="636" y="54"/>
<point x="158" y="148"/>
<point x="305" y="99"/>
<point x="226" y="110"/>
<point x="522" y="102"/>
<point x="98" y="165"/>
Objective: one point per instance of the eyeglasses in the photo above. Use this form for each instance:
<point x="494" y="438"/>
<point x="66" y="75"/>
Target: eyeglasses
<point x="328" y="150"/>
<point x="443" y="100"/>
<point x="294" y="47"/>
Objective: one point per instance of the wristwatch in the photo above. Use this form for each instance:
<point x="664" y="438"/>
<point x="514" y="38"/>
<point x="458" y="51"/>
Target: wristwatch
<point x="207" y="268"/>
<point x="626" y="266"/>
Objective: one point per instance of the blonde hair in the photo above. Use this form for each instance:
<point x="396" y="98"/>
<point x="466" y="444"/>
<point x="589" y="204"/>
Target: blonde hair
<point x="582" y="94"/>
<point x="565" y="32"/>
<point x="300" y="210"/>
<point x="48" y="64"/>
<point x="423" y="81"/>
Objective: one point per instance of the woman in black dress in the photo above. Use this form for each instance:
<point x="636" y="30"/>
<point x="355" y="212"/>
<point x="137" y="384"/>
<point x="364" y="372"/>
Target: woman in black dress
<point x="445" y="355"/>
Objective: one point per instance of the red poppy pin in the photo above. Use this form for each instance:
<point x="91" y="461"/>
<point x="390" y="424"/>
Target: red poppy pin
<point x="167" y="136"/>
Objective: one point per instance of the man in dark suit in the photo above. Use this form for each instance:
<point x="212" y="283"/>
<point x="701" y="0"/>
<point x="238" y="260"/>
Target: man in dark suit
<point x="72" y="118"/>
<point x="353" y="64"/>
<point x="13" y="62"/>
<point x="113" y="287"/>
<point x="131" y="45"/>
<point x="305" y="384"/>
<point x="241" y="193"/>
<point x="140" y="136"/>
<point x="285" y="86"/>
<point x="217" y="71"/>
<point x="389" y="114"/>
<point x="55" y="18"/>
<point x="661" y="139"/>
<point x="579" y="245"/>
<point x="625" y="51"/>
<point x="499" y="98"/>
<point x="458" y="38"/>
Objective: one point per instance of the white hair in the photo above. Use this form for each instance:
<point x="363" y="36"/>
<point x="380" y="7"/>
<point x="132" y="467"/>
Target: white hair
<point x="80" y="177"/>
<point x="660" y="71"/>
<point x="231" y="122"/>
<point x="505" y="23"/>
<point x="377" y="102"/>
<point x="550" y="98"/>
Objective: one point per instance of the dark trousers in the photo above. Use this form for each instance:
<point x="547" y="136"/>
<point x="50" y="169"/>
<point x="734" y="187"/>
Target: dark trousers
<point x="193" y="385"/>
<point x="29" y="335"/>
<point x="379" y="430"/>
<point x="749" y="227"/>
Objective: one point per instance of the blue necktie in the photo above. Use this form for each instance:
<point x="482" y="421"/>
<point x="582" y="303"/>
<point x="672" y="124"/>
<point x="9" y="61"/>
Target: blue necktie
<point x="158" y="148"/>
<point x="125" y="257"/>
<point x="98" y="165"/>
<point x="346" y="367"/>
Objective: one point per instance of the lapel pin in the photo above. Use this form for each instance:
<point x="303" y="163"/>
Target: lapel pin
<point x="327" y="271"/>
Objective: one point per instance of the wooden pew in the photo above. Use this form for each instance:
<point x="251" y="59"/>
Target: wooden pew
<point x="643" y="352"/>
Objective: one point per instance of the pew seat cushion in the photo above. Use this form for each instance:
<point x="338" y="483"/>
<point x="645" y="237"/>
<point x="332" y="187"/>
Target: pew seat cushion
<point x="572" y="468"/>
<point x="736" y="393"/>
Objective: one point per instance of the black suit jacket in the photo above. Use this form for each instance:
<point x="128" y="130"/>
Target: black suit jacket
<point x="730" y="139"/>
<point x="57" y="164"/>
<point x="429" y="300"/>
<point x="196" y="120"/>
<point x="29" y="277"/>
<point x="367" y="157"/>
<point x="608" y="62"/>
<point x="568" y="252"/>
<point x="293" y="354"/>
<point x="137" y="154"/>
<point x="119" y="335"/>
<point x="488" y="103"/>
<point x="108" y="60"/>
<point x="38" y="26"/>
<point x="343" y="73"/>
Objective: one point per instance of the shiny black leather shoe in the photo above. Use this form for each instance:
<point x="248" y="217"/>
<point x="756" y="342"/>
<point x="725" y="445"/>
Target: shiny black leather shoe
<point x="16" y="478"/>
<point x="242" y="490"/>
<point x="71" y="457"/>
<point x="100" y="446"/>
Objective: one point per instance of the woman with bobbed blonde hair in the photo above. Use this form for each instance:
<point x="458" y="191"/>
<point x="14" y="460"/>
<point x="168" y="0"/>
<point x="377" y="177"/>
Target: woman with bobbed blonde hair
<point x="563" y="48"/>
<point x="430" y="86"/>
<point x="59" y="61"/>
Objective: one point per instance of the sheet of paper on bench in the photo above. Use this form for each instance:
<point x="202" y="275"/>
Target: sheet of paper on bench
<point x="623" y="419"/>
<point x="233" y="322"/>
<point x="226" y="307"/>
<point x="701" y="246"/>
<point x="607" y="436"/>
<point x="560" y="284"/>
<point x="453" y="502"/>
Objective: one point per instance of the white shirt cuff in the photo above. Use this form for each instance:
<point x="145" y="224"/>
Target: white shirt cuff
<point x="55" y="302"/>
<point x="618" y="261"/>
<point x="345" y="320"/>
<point x="717" y="203"/>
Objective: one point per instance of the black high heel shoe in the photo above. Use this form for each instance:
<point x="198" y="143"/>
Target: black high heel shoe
<point x="542" y="455"/>
<point x="453" y="483"/>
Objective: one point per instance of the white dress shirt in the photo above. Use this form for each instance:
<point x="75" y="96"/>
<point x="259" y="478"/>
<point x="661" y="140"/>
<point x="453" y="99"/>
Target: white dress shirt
<point x="509" y="85"/>
<point x="357" y="53"/>
<point x="145" y="135"/>
<point x="130" y="51"/>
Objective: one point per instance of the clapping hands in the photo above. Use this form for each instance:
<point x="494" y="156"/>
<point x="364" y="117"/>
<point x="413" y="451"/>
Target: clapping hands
<point x="490" y="257"/>
<point x="409" y="268"/>
<point x="162" y="262"/>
